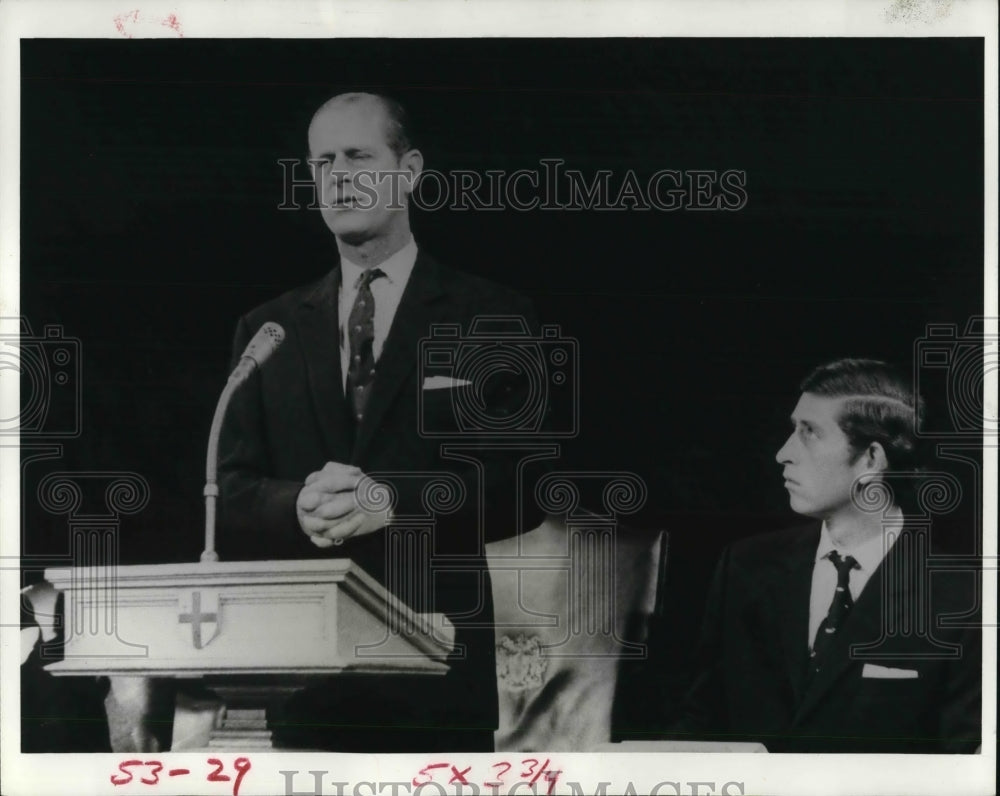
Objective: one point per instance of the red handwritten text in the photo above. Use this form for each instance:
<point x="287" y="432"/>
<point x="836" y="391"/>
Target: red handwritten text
<point x="148" y="772"/>
<point x="529" y="770"/>
<point x="133" y="23"/>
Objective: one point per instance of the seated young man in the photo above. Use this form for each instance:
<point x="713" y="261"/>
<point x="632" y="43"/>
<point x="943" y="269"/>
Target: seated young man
<point x="826" y="637"/>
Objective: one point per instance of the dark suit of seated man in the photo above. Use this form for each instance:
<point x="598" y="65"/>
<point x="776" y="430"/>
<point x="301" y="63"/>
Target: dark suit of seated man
<point x="826" y="637"/>
<point x="344" y="397"/>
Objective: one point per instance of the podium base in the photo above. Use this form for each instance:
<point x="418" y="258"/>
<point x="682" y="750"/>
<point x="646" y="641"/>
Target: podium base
<point x="250" y="705"/>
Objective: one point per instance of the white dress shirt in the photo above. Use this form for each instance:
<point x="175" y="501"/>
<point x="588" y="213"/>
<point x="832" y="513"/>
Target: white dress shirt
<point x="868" y="554"/>
<point x="387" y="292"/>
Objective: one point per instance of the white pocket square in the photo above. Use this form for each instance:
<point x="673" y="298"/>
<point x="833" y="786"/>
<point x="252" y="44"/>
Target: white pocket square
<point x="876" y="672"/>
<point x="443" y="382"/>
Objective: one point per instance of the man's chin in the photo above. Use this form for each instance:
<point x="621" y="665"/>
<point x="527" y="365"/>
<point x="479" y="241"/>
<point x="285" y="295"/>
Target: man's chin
<point x="804" y="508"/>
<point x="347" y="232"/>
<point x="354" y="237"/>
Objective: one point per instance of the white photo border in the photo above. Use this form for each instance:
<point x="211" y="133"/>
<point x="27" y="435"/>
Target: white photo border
<point x="784" y="774"/>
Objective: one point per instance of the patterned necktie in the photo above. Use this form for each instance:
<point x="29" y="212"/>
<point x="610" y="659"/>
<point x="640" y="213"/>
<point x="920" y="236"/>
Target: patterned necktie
<point x="840" y="607"/>
<point x="361" y="334"/>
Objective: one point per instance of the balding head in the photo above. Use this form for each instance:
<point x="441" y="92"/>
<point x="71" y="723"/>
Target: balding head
<point x="393" y="116"/>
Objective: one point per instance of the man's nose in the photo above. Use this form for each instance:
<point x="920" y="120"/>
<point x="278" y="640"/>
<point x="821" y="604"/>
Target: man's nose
<point x="783" y="456"/>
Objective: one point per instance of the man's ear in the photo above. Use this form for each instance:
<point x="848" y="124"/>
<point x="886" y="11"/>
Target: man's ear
<point x="412" y="161"/>
<point x="873" y="460"/>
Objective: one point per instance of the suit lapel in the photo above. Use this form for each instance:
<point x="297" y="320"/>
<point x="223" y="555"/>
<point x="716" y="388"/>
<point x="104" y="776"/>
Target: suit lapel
<point x="884" y="596"/>
<point x="318" y="327"/>
<point x="789" y="594"/>
<point x="398" y="359"/>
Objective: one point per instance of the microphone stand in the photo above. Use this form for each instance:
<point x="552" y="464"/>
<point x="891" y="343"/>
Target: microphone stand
<point x="257" y="352"/>
<point x="211" y="491"/>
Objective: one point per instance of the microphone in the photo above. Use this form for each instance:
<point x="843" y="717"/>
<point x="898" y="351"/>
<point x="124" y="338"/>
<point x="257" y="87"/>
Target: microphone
<point x="257" y="352"/>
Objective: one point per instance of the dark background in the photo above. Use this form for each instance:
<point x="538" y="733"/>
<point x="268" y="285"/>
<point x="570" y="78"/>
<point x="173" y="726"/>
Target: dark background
<point x="149" y="224"/>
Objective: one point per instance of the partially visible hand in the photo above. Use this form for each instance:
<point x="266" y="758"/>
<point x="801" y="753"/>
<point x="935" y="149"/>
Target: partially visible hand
<point x="327" y="506"/>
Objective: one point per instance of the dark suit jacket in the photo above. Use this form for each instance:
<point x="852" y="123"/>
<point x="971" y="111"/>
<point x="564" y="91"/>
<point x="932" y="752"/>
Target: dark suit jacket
<point x="292" y="417"/>
<point x="753" y="683"/>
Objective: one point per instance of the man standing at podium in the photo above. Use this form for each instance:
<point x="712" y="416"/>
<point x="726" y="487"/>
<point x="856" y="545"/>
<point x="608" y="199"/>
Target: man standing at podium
<point x="828" y="637"/>
<point x="339" y="400"/>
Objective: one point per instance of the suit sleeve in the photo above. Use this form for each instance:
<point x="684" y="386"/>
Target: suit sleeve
<point x="702" y="710"/>
<point x="257" y="512"/>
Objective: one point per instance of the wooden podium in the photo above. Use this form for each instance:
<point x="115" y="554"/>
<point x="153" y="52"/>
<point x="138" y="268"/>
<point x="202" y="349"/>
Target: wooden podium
<point x="254" y="631"/>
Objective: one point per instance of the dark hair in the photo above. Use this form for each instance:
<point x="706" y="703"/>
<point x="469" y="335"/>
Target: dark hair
<point x="880" y="406"/>
<point x="397" y="132"/>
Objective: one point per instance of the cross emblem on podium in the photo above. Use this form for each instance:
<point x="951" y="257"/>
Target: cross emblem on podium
<point x="196" y="617"/>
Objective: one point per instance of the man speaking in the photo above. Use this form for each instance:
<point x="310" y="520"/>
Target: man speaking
<point x="345" y="397"/>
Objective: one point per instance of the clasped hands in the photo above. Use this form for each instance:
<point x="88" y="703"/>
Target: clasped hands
<point x="328" y="509"/>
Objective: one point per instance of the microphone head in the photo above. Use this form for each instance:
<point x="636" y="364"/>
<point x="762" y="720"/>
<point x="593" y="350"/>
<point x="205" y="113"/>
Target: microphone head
<point x="264" y="343"/>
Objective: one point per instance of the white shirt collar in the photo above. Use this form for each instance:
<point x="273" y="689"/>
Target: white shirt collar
<point x="396" y="269"/>
<point x="868" y="554"/>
